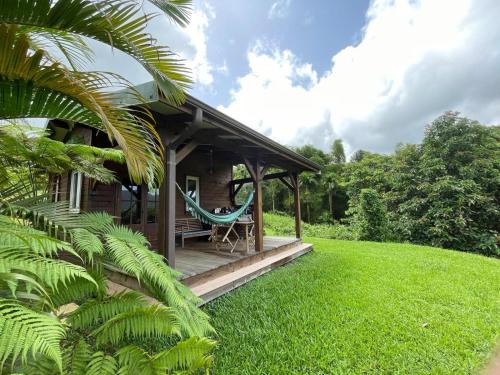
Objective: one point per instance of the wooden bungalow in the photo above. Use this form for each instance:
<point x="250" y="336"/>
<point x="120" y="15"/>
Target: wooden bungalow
<point x="201" y="147"/>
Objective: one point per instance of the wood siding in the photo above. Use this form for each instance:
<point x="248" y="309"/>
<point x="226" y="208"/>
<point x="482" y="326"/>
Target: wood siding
<point x="214" y="190"/>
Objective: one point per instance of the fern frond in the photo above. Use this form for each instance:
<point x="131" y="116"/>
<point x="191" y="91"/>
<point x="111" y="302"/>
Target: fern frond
<point x="80" y="290"/>
<point x="13" y="233"/>
<point x="144" y="322"/>
<point x="187" y="355"/>
<point x="120" y="253"/>
<point x="96" y="222"/>
<point x="100" y="310"/>
<point x="51" y="272"/>
<point x="134" y="360"/>
<point x="86" y="243"/>
<point x="23" y="332"/>
<point x="77" y="357"/>
<point x="102" y="364"/>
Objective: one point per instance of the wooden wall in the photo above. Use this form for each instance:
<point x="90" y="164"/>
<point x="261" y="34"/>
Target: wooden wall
<point x="214" y="190"/>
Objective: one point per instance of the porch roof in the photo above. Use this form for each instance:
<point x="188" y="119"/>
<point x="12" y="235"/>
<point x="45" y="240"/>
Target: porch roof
<point x="222" y="131"/>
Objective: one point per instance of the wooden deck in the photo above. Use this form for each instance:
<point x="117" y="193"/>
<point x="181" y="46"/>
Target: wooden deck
<point x="210" y="273"/>
<point x="198" y="257"/>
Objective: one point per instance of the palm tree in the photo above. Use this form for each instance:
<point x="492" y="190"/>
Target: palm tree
<point x="104" y="334"/>
<point x="36" y="85"/>
<point x="329" y="182"/>
<point x="308" y="180"/>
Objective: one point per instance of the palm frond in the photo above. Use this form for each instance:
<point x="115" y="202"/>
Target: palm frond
<point x="102" y="364"/>
<point x="94" y="311"/>
<point x="140" y="323"/>
<point x="118" y="23"/>
<point x="177" y="10"/>
<point x="31" y="87"/>
<point x="24" y="332"/>
<point x="73" y="48"/>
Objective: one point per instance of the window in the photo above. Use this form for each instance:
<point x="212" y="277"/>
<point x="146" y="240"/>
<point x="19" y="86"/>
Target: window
<point x="193" y="189"/>
<point x="130" y="204"/>
<point x="75" y="191"/>
<point x="153" y="205"/>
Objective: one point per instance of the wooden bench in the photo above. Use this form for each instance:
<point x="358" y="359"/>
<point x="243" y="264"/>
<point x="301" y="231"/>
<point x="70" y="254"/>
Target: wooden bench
<point x="190" y="228"/>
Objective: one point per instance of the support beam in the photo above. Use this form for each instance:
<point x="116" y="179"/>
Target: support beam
<point x="166" y="222"/>
<point x="269" y="176"/>
<point x="250" y="169"/>
<point x="257" y="209"/>
<point x="185" y="151"/>
<point x="189" y="131"/>
<point x="294" y="179"/>
<point x="287" y="183"/>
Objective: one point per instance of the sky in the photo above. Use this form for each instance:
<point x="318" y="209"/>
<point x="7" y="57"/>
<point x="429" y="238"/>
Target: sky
<point x="373" y="73"/>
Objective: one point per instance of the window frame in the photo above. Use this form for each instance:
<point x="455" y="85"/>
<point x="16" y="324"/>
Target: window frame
<point x="75" y="191"/>
<point x="134" y="198"/>
<point x="197" y="181"/>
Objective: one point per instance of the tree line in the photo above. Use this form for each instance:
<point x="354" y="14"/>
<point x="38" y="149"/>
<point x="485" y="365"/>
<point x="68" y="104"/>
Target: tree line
<point x="442" y="192"/>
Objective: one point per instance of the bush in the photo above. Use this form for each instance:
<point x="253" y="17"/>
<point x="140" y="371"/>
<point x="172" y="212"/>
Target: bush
<point x="276" y="224"/>
<point x="370" y="217"/>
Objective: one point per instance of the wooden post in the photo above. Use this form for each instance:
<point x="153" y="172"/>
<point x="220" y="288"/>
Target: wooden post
<point x="296" y="198"/>
<point x="257" y="209"/>
<point x="166" y="222"/>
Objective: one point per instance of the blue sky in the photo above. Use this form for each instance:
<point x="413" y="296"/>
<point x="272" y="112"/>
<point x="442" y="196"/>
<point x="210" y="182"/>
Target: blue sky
<point x="314" y="30"/>
<point x="372" y="73"/>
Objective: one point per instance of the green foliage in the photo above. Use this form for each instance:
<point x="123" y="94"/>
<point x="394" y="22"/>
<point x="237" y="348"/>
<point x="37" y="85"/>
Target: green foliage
<point x="338" y="153"/>
<point x="276" y="224"/>
<point x="363" y="308"/>
<point x="370" y="217"/>
<point x="24" y="331"/>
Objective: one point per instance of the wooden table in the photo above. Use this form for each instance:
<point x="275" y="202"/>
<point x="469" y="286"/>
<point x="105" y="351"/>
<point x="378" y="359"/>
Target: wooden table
<point x="249" y="235"/>
<point x="228" y="229"/>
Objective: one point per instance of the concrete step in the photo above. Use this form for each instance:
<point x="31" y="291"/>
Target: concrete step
<point x="212" y="287"/>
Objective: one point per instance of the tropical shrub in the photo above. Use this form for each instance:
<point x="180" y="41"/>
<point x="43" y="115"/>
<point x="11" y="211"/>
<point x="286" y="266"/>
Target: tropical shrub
<point x="369" y="217"/>
<point x="53" y="285"/>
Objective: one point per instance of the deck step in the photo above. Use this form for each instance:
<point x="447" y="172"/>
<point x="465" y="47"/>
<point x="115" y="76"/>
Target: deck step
<point x="211" y="288"/>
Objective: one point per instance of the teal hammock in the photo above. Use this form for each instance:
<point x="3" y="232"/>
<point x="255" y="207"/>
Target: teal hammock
<point x="210" y="218"/>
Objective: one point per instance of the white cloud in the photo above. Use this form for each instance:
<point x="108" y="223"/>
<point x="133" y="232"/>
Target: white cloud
<point x="190" y="43"/>
<point x="279" y="9"/>
<point x="415" y="61"/>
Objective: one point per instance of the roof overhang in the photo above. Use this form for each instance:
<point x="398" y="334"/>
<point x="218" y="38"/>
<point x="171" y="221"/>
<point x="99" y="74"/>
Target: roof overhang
<point x="157" y="103"/>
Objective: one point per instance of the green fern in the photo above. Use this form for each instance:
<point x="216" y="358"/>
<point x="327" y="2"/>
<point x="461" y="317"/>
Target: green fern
<point x="23" y="332"/>
<point x="80" y="290"/>
<point x="102" y="364"/>
<point x="140" y="323"/>
<point x="100" y="310"/>
<point x="77" y="357"/>
<point x="188" y="355"/>
<point x="51" y="272"/>
<point x="86" y="243"/>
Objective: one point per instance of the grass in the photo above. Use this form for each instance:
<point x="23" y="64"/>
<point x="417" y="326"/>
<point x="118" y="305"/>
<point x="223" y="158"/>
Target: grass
<point x="361" y="307"/>
<point x="284" y="225"/>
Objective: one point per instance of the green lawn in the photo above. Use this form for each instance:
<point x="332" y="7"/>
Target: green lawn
<point x="361" y="307"/>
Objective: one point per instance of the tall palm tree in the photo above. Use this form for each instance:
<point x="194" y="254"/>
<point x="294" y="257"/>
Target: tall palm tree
<point x="329" y="182"/>
<point x="308" y="180"/>
<point x="35" y="84"/>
